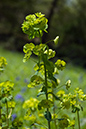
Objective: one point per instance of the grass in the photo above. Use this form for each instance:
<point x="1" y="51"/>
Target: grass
<point x="20" y="73"/>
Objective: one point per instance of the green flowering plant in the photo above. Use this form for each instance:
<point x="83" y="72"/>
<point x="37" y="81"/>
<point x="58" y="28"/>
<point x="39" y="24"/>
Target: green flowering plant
<point x="7" y="103"/>
<point x="46" y="77"/>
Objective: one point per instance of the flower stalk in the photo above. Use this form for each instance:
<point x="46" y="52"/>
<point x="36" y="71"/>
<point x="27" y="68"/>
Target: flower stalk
<point x="78" y="119"/>
<point x="46" y="92"/>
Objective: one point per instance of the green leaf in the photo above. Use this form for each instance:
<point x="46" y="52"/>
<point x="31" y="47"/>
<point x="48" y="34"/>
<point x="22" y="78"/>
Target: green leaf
<point x="40" y="93"/>
<point x="1" y="69"/>
<point x="3" y="117"/>
<point x="45" y="104"/>
<point x="5" y="127"/>
<point x="36" y="79"/>
<point x="48" y="116"/>
<point x="4" y="100"/>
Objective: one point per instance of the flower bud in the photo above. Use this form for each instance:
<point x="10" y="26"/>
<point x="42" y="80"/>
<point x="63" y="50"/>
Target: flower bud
<point x="56" y="40"/>
<point x="68" y="84"/>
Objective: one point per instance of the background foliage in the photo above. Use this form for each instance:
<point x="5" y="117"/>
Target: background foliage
<point x="67" y="18"/>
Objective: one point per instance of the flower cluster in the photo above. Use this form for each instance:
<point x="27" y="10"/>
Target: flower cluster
<point x="7" y="103"/>
<point x="72" y="100"/>
<point x="3" y="63"/>
<point x="31" y="106"/>
<point x="34" y="25"/>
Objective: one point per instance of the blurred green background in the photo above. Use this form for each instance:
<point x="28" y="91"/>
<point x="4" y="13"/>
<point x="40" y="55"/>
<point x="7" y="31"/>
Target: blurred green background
<point x="67" y="18"/>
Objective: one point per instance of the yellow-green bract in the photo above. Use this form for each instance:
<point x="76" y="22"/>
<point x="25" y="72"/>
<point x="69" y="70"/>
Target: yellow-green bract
<point x="34" y="25"/>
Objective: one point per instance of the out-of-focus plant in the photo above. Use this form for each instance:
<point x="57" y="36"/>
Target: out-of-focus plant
<point x="7" y="104"/>
<point x="46" y="77"/>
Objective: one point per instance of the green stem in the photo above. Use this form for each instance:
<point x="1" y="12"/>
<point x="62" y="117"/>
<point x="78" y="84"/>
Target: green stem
<point x="46" y="91"/>
<point x="78" y="119"/>
<point x="54" y="111"/>
<point x="7" y="114"/>
<point x="10" y="113"/>
<point x="49" y="41"/>
<point x="60" y="86"/>
<point x="40" y="37"/>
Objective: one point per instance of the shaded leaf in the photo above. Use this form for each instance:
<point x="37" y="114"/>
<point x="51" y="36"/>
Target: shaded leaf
<point x="47" y="115"/>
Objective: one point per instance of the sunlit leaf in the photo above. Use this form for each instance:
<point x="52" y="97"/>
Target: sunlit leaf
<point x="36" y="79"/>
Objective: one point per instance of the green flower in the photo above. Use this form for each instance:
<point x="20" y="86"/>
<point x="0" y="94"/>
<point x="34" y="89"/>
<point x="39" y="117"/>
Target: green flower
<point x="60" y="93"/>
<point x="31" y="103"/>
<point x="31" y="118"/>
<point x="71" y="123"/>
<point x="60" y="64"/>
<point x="34" y="25"/>
<point x="3" y="63"/>
<point x="66" y="104"/>
<point x="68" y="84"/>
<point x="11" y="104"/>
<point x="50" y="53"/>
<point x="45" y="104"/>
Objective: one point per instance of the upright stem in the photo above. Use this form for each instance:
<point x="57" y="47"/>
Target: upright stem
<point x="40" y="37"/>
<point x="46" y="92"/>
<point x="7" y="114"/>
<point x="45" y="83"/>
<point x="54" y="111"/>
<point x="78" y="119"/>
